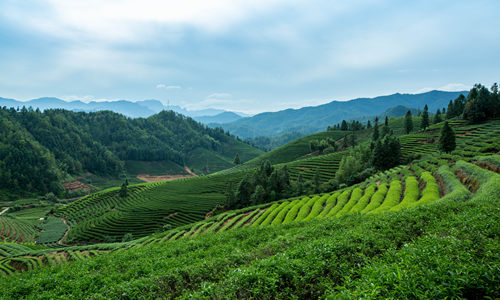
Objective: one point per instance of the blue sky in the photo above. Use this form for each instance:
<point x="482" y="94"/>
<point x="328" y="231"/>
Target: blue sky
<point x="248" y="56"/>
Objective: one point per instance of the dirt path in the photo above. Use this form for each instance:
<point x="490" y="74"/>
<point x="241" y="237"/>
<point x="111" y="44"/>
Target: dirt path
<point x="4" y="211"/>
<point x="189" y="171"/>
<point x="66" y="233"/>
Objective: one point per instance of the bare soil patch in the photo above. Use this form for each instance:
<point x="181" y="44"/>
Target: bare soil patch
<point x="154" y="178"/>
<point x="75" y="185"/>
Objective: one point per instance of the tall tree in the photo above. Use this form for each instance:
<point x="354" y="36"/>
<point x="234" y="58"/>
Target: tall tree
<point x="425" y="118"/>
<point x="123" y="189"/>
<point x="375" y="130"/>
<point x="344" y="126"/>
<point x="437" y="117"/>
<point x="368" y="124"/>
<point x="236" y="160"/>
<point x="408" y="122"/>
<point x="447" y="141"/>
<point x="450" y="110"/>
<point x="386" y="129"/>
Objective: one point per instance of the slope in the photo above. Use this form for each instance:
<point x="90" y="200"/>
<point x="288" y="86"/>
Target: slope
<point x="439" y="249"/>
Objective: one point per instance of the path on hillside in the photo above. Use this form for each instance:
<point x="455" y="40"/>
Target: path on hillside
<point x="66" y="233"/>
<point x="189" y="171"/>
<point x="3" y="211"/>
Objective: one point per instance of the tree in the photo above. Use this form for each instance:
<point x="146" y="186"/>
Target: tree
<point x="300" y="185"/>
<point x="123" y="190"/>
<point x="447" y="141"/>
<point x="386" y="129"/>
<point x="387" y="153"/>
<point x="230" y="196"/>
<point x="344" y="126"/>
<point x="368" y="125"/>
<point x="258" y="196"/>
<point x="408" y="122"/>
<point x="425" y="118"/>
<point x="437" y="117"/>
<point x="449" y="111"/>
<point x="245" y="191"/>
<point x="375" y="130"/>
<point x="236" y="160"/>
<point x="316" y="182"/>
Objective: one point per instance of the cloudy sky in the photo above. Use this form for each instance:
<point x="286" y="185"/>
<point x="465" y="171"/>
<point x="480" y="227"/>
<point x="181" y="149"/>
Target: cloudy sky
<point x="248" y="56"/>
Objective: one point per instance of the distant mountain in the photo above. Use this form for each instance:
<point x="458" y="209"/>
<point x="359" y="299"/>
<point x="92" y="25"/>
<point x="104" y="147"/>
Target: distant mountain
<point x="138" y="109"/>
<point x="222" y="118"/>
<point x="316" y="118"/>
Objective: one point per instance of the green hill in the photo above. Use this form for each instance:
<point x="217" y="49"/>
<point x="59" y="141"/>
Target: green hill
<point x="40" y="149"/>
<point x="363" y="241"/>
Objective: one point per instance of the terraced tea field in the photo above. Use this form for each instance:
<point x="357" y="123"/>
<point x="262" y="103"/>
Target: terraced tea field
<point x="424" y="182"/>
<point x="146" y="209"/>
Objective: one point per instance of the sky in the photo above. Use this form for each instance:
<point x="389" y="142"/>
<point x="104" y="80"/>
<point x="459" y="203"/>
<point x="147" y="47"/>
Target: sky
<point x="243" y="55"/>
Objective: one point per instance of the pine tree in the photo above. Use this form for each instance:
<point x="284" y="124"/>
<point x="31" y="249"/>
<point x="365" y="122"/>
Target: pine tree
<point x="344" y="126"/>
<point x="385" y="129"/>
<point x="369" y="124"/>
<point x="123" y="190"/>
<point x="375" y="130"/>
<point x="236" y="160"/>
<point x="425" y="118"/>
<point x="316" y="182"/>
<point x="447" y="141"/>
<point x="408" y="122"/>
<point x="437" y="117"/>
<point x="449" y="111"/>
<point x="300" y="185"/>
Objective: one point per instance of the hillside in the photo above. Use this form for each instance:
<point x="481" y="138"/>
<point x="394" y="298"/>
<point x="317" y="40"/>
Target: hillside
<point x="40" y="149"/>
<point x="149" y="207"/>
<point x="386" y="234"/>
<point x="316" y="118"/>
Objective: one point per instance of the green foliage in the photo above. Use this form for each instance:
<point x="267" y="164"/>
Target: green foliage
<point x="411" y="195"/>
<point x="481" y="105"/>
<point x="355" y="197"/>
<point x="283" y="212"/>
<point x="330" y="203"/>
<point x="392" y="198"/>
<point x="377" y="198"/>
<point x="306" y="208"/>
<point x="317" y="207"/>
<point x="364" y="200"/>
<point x="53" y="230"/>
<point x="387" y="153"/>
<point x="442" y="250"/>
<point x="425" y="118"/>
<point x="408" y="122"/>
<point x="37" y="149"/>
<point x="341" y="201"/>
<point x="292" y="213"/>
<point x="447" y="141"/>
<point x="237" y="160"/>
<point x="431" y="190"/>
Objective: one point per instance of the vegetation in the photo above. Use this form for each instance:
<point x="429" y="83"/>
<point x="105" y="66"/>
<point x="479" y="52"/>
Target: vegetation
<point x="38" y="149"/>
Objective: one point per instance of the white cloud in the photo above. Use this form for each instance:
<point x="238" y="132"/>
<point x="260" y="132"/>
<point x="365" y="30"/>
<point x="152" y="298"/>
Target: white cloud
<point x="131" y="20"/>
<point x="168" y="87"/>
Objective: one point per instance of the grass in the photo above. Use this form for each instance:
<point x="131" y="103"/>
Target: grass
<point x="444" y="249"/>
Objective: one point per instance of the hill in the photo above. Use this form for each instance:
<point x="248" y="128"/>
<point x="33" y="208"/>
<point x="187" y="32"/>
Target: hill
<point x="39" y="149"/>
<point x="222" y="118"/>
<point x="316" y="118"/>
<point x="307" y="247"/>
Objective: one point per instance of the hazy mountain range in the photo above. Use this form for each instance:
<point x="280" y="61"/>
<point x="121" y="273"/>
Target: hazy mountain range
<point x="304" y="120"/>
<point x="138" y="109"/>
<point x="317" y="118"/>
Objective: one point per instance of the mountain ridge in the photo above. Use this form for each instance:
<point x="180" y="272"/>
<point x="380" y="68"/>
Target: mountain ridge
<point x="300" y="120"/>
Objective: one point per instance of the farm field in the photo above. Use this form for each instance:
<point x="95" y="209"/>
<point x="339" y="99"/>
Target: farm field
<point x="384" y="244"/>
<point x="104" y="216"/>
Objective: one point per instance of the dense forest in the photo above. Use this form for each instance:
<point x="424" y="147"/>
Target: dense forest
<point x="39" y="148"/>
